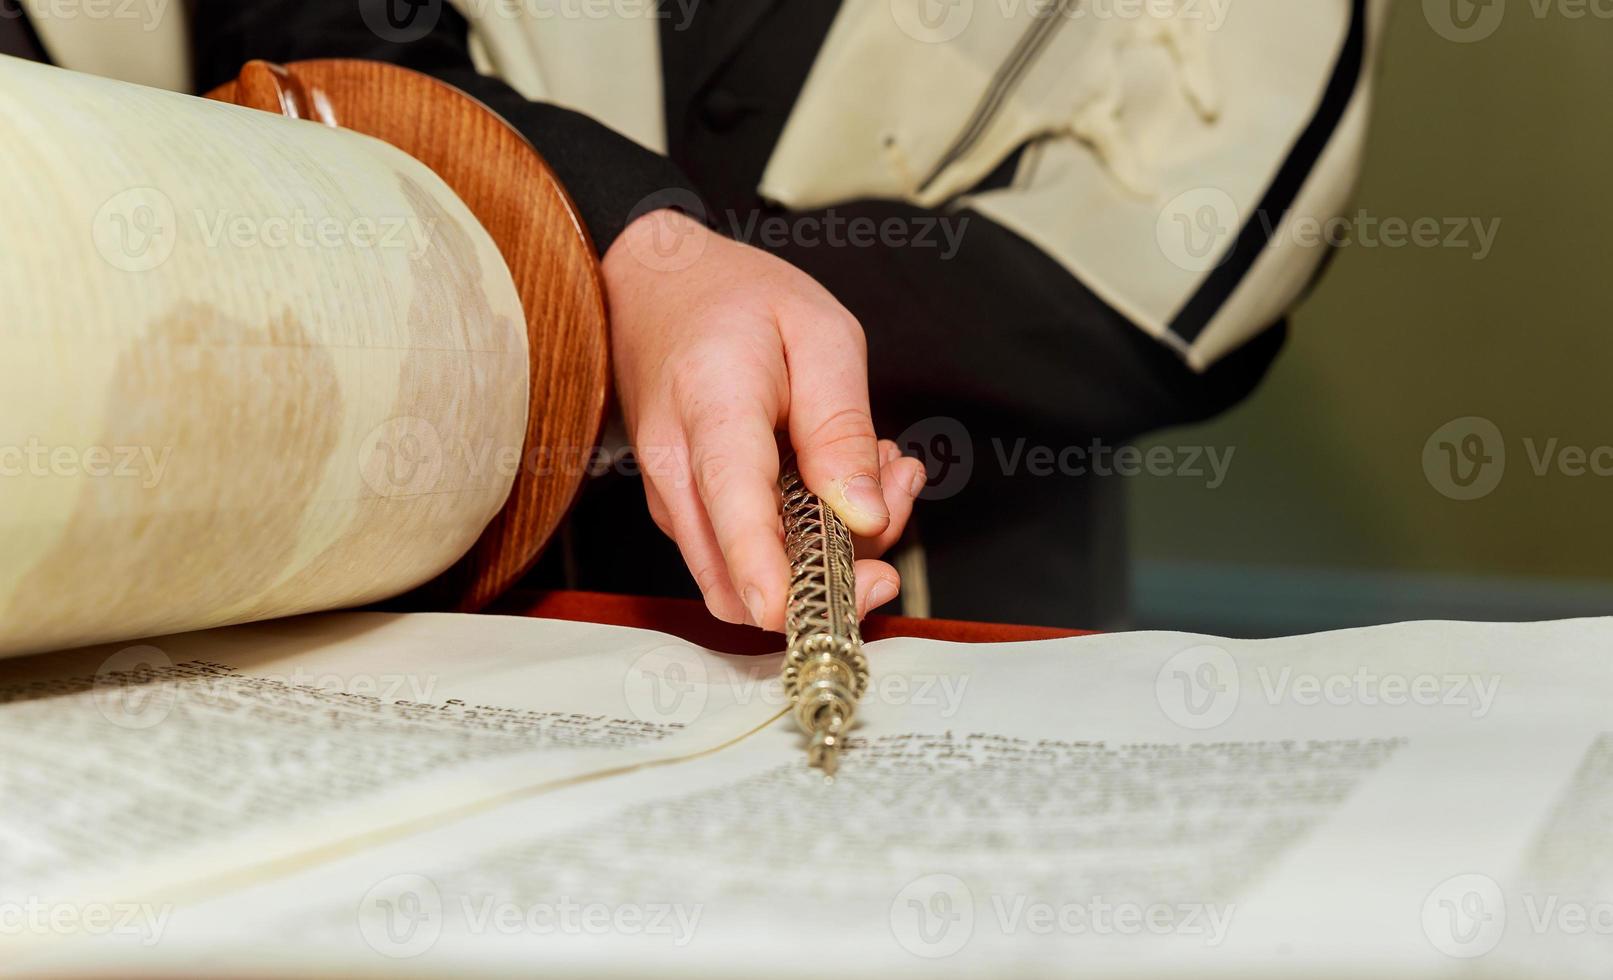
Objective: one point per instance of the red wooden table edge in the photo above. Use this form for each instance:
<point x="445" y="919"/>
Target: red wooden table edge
<point x="689" y="620"/>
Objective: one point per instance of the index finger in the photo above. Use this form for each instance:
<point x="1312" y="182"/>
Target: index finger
<point x="736" y="469"/>
<point x="830" y="424"/>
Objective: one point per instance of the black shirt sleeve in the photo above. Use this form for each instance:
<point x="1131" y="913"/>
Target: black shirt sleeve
<point x="610" y="177"/>
<point x="967" y="320"/>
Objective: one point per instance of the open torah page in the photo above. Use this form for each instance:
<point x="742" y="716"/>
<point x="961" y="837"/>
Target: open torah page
<point x="167" y="765"/>
<point x="1418" y="800"/>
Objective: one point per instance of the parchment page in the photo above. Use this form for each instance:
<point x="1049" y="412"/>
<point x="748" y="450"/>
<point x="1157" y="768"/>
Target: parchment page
<point x="1417" y="800"/>
<point x="131" y="771"/>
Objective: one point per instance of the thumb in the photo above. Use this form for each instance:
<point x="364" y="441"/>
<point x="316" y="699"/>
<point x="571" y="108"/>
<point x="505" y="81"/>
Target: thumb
<point x="832" y="430"/>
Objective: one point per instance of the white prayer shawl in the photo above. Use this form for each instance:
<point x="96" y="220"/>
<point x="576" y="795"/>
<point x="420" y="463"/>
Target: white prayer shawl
<point x="1179" y="153"/>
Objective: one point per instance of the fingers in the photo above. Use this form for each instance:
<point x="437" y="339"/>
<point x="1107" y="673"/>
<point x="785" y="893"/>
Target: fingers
<point x="903" y="479"/>
<point x="734" y="458"/>
<point x="829" y="421"/>
<point x="877" y="584"/>
<point x="725" y="522"/>
<point x="678" y="512"/>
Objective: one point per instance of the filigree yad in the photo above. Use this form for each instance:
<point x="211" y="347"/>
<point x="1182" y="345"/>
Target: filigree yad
<point x="825" y="671"/>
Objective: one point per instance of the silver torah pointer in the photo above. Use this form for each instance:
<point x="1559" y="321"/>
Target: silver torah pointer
<point x="825" y="671"/>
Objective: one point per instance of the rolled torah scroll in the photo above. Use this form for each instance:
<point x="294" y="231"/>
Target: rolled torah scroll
<point x="253" y="366"/>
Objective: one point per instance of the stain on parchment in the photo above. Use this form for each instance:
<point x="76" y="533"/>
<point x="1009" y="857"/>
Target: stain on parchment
<point x="460" y="373"/>
<point x="245" y="450"/>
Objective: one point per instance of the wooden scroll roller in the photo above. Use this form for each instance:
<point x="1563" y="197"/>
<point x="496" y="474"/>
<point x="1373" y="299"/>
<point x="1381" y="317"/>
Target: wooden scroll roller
<point x="229" y="393"/>
<point x="518" y="199"/>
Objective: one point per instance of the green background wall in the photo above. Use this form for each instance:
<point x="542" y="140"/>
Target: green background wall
<point x="1327" y="516"/>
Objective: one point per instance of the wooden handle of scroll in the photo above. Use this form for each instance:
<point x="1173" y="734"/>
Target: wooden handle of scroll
<point x="509" y="188"/>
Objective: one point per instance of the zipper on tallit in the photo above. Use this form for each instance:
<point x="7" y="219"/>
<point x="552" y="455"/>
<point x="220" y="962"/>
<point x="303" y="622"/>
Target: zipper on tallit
<point x="1009" y="74"/>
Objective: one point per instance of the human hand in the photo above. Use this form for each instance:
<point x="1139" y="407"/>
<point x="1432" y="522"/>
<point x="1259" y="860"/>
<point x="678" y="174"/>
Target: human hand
<point x="718" y="346"/>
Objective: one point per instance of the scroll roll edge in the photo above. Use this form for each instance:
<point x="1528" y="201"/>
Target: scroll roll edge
<point x="249" y="366"/>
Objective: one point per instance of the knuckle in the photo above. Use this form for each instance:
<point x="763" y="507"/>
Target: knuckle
<point x="663" y="521"/>
<point x="711" y="581"/>
<point x="847" y="324"/>
<point x="848" y="430"/>
<point x="714" y="470"/>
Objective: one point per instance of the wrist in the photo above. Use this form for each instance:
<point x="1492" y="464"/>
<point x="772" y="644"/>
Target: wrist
<point x="662" y="241"/>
